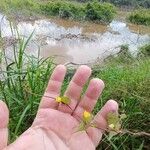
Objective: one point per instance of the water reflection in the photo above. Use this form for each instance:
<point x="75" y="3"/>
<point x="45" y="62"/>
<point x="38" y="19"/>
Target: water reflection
<point x="78" y="42"/>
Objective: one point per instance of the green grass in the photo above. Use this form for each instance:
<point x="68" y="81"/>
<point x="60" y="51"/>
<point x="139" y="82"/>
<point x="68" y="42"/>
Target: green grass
<point x="91" y="11"/>
<point x="127" y="81"/>
<point x="140" y="17"/>
<point x="144" y="51"/>
<point x="19" y="79"/>
<point x="129" y="85"/>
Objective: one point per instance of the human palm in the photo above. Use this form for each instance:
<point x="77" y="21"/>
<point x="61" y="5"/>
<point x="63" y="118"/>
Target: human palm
<point x="56" y="126"/>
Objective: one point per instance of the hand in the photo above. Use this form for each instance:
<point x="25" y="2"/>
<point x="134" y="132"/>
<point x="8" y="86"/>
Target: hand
<point x="56" y="125"/>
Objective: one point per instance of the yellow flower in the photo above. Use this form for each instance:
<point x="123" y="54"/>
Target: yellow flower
<point x="86" y="116"/>
<point x="58" y="99"/>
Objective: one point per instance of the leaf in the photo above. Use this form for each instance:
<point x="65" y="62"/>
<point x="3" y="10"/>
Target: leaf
<point x="65" y="100"/>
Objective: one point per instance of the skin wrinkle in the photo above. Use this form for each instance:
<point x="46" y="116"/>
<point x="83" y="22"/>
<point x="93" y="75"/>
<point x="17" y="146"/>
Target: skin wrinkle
<point x="56" y="142"/>
<point x="76" y="140"/>
<point x="90" y="137"/>
<point x="61" y="137"/>
<point x="48" y="135"/>
<point x="91" y="133"/>
<point x="44" y="141"/>
<point x="42" y="120"/>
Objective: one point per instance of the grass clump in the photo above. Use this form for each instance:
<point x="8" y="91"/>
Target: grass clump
<point x="144" y="51"/>
<point x="140" y="17"/>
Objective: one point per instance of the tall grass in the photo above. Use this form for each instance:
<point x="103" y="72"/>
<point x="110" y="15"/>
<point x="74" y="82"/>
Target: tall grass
<point x="129" y="84"/>
<point x="20" y="79"/>
<point x="127" y="81"/>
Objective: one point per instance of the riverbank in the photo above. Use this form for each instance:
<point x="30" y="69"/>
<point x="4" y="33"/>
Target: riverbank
<point x="92" y="11"/>
<point x="72" y="41"/>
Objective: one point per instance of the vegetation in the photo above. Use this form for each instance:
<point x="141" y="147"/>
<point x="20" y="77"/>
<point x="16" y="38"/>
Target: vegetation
<point x="23" y="83"/>
<point x="140" y="17"/>
<point x="144" y="51"/>
<point x="101" y="12"/>
<point x="64" y="9"/>
<point x="129" y="3"/>
<point x="128" y="84"/>
<point x="95" y="11"/>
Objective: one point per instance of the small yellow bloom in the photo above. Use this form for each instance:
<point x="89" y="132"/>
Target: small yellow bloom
<point x="58" y="99"/>
<point x="87" y="116"/>
<point x="111" y="126"/>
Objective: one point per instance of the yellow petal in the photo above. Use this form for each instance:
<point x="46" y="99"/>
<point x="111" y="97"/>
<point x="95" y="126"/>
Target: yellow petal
<point x="58" y="99"/>
<point x="111" y="126"/>
<point x="86" y="115"/>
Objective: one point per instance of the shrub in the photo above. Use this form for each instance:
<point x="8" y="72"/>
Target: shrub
<point x="140" y="17"/>
<point x="95" y="11"/>
<point x="102" y="12"/>
<point x="65" y="11"/>
<point x="62" y="9"/>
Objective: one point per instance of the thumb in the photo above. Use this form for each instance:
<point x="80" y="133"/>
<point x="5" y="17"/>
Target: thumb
<point x="4" y="117"/>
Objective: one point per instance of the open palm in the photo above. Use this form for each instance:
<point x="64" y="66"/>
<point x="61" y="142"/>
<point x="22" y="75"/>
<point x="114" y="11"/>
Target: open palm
<point x="56" y="124"/>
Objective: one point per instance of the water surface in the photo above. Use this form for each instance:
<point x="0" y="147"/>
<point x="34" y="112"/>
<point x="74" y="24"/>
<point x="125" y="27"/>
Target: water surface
<point x="71" y="41"/>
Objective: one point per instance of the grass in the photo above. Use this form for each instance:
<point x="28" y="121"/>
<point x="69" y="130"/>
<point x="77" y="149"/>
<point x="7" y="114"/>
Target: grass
<point x="127" y="81"/>
<point x="129" y="85"/>
<point x="91" y="11"/>
<point x="144" y="51"/>
<point x="19" y="79"/>
<point x="140" y="17"/>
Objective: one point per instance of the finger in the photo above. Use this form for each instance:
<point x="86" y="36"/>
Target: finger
<point x="100" y="121"/>
<point x="75" y="88"/>
<point x="89" y="100"/>
<point x="4" y="117"/>
<point x="53" y="88"/>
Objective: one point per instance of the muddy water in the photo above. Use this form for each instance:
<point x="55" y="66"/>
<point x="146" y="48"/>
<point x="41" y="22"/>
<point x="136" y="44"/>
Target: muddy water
<point x="71" y="41"/>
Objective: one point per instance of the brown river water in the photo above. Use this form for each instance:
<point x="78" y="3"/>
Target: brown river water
<point x="77" y="42"/>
